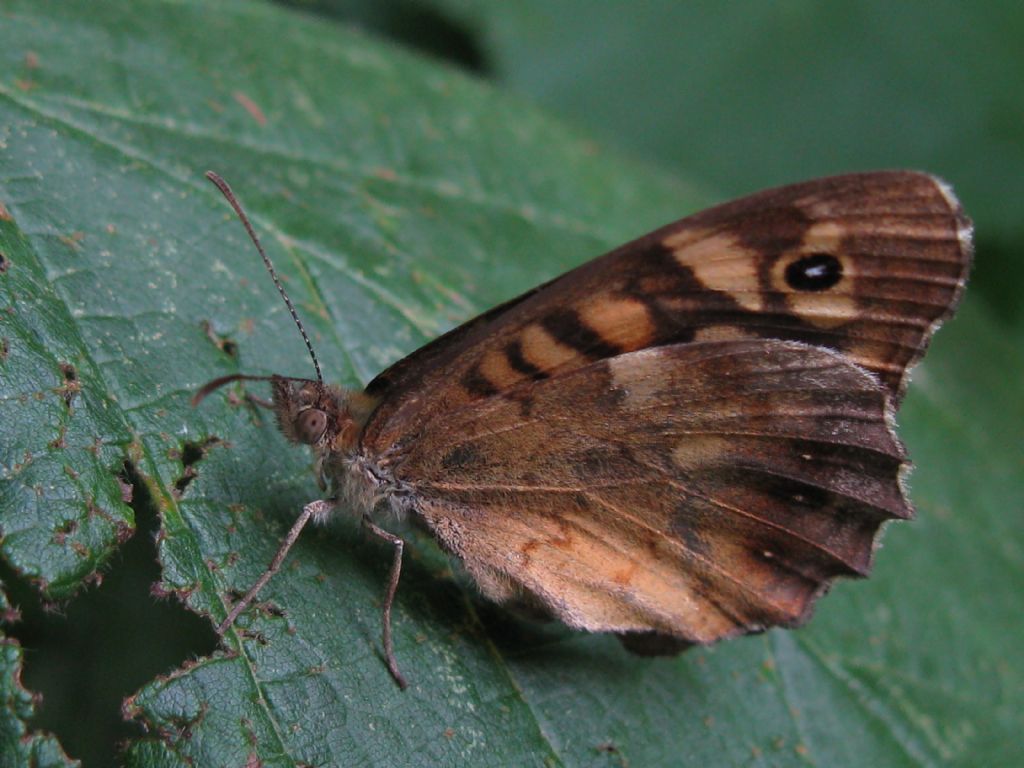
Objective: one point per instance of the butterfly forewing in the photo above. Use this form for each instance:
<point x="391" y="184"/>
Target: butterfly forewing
<point x="865" y="264"/>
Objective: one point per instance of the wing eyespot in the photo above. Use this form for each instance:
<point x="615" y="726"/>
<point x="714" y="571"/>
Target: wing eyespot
<point x="814" y="272"/>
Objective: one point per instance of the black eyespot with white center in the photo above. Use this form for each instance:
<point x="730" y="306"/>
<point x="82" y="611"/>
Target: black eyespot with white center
<point x="814" y="272"/>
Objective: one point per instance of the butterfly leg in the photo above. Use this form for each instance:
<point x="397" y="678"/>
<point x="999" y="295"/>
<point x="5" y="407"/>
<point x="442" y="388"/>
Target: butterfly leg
<point x="389" y="599"/>
<point x="316" y="509"/>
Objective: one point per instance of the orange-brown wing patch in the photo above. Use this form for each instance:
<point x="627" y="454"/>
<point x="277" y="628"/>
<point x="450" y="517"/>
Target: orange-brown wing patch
<point x="699" y="490"/>
<point x="865" y="264"/>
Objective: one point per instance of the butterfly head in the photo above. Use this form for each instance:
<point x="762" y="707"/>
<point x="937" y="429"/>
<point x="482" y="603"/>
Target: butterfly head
<point x="328" y="419"/>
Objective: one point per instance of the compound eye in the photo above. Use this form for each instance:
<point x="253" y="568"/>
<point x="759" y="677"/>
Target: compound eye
<point x="311" y="425"/>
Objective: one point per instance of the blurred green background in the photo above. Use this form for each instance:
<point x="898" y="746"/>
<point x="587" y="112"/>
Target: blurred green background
<point x="712" y="102"/>
<point x="739" y="97"/>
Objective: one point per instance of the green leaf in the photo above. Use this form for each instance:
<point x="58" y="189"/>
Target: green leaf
<point x="398" y="198"/>
<point x="17" y="745"/>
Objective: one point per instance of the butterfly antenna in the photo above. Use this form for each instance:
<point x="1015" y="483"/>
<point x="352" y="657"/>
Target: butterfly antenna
<point x="230" y="197"/>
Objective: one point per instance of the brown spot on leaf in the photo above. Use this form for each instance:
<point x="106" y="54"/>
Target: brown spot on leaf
<point x="62" y="531"/>
<point x="73" y="240"/>
<point x="251" y="107"/>
<point x="71" y="387"/>
<point x="59" y="442"/>
<point x="225" y="344"/>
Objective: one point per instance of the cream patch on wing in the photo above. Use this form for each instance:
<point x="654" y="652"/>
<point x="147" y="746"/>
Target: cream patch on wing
<point x="721" y="264"/>
<point x="824" y="236"/>
<point x="542" y="350"/>
<point x="636" y="376"/>
<point x="829" y="308"/>
<point x="825" y="309"/>
<point x="495" y="367"/>
<point x="721" y="333"/>
<point x="622" y="321"/>
<point x="639" y="377"/>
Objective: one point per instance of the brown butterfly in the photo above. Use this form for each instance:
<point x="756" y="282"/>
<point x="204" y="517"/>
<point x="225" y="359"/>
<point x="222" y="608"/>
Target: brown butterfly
<point x="683" y="440"/>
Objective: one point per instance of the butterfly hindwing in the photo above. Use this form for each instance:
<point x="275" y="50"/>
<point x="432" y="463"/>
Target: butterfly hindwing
<point x="695" y="491"/>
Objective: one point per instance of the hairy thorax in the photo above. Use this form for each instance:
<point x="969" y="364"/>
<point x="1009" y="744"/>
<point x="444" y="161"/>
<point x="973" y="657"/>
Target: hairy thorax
<point x="330" y="420"/>
<point x="361" y="484"/>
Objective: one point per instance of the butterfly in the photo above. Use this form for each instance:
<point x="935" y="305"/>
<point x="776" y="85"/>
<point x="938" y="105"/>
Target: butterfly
<point x="684" y="440"/>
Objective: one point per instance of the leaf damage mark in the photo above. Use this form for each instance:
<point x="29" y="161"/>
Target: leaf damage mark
<point x="181" y="726"/>
<point x="609" y="748"/>
<point x="59" y="443"/>
<point x="62" y="531"/>
<point x="190" y="455"/>
<point x="5" y="262"/>
<point x="71" y="387"/>
<point x="225" y="344"/>
<point x="21" y="705"/>
<point x="125" y="484"/>
<point x="160" y="591"/>
<point x="64" y="635"/>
